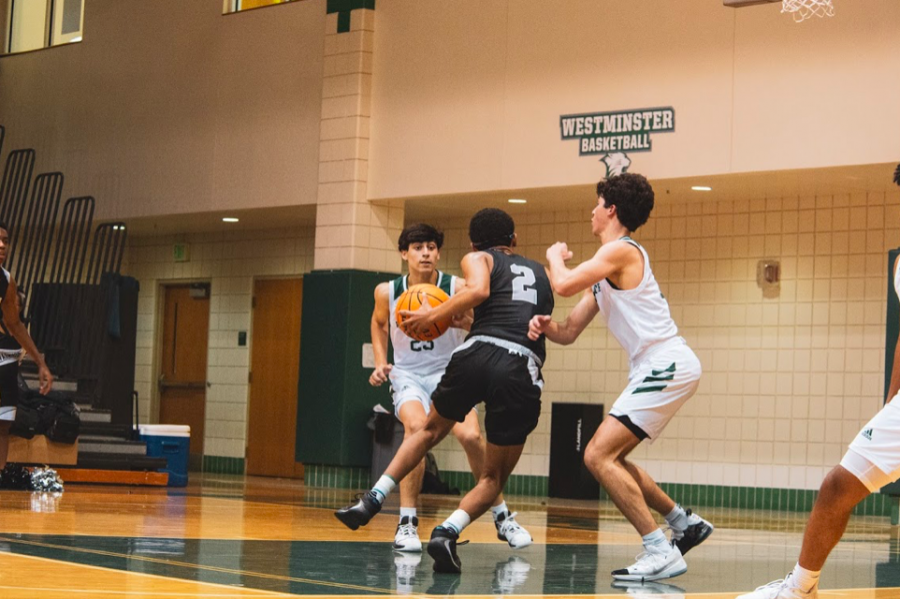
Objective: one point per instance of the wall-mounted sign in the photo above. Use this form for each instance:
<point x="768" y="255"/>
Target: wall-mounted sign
<point x="613" y="134"/>
<point x="181" y="252"/>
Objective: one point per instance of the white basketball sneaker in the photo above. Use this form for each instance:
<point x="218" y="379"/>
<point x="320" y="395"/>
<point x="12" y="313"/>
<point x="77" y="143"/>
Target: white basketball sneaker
<point x="511" y="531"/>
<point x="407" y="536"/>
<point x="655" y="563"/>
<point x="781" y="589"/>
<point x="8" y="413"/>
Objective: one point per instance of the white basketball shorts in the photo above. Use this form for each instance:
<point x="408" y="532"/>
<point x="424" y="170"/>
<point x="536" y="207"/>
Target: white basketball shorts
<point x="407" y="386"/>
<point x="657" y="388"/>
<point x="878" y="444"/>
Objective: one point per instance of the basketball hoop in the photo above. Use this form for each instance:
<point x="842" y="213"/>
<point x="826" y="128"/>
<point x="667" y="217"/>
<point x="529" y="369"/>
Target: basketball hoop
<point x="805" y="9"/>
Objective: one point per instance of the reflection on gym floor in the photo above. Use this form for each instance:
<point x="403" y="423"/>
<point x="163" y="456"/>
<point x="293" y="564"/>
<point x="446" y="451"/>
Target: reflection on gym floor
<point x="244" y="537"/>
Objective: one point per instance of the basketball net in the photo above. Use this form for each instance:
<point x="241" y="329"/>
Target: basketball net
<point x="805" y="9"/>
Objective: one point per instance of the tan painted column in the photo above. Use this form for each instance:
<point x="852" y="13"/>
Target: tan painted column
<point x="351" y="233"/>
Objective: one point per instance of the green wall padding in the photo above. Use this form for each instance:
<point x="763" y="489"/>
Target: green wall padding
<point x="892" y="329"/>
<point x="334" y="398"/>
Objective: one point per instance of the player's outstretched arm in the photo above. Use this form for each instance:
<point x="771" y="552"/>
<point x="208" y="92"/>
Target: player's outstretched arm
<point x="569" y="281"/>
<point x="10" y="308"/>
<point x="476" y="267"/>
<point x="567" y="331"/>
<point x="379" y="328"/>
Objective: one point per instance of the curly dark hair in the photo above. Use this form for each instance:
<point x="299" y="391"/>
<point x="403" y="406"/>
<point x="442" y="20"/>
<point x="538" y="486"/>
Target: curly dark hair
<point x="632" y="196"/>
<point x="419" y="233"/>
<point x="491" y="227"/>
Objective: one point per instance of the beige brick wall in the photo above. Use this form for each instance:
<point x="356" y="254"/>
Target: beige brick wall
<point x="788" y="381"/>
<point x="350" y="231"/>
<point x="230" y="261"/>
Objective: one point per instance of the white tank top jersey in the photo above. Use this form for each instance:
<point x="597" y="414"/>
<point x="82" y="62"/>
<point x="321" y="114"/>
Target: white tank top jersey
<point x="638" y="318"/>
<point x="422" y="357"/>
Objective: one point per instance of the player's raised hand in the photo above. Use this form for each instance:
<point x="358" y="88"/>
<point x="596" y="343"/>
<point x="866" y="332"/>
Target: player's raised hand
<point x="537" y="325"/>
<point x="560" y="249"/>
<point x="380" y="375"/>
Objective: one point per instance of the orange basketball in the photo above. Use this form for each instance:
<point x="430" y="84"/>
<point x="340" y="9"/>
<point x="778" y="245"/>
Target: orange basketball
<point x="412" y="300"/>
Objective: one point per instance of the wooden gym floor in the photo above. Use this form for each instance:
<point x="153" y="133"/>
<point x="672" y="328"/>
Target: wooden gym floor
<point x="242" y="537"/>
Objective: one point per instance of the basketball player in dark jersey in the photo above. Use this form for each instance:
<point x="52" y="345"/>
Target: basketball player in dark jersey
<point x="497" y="364"/>
<point x="13" y="338"/>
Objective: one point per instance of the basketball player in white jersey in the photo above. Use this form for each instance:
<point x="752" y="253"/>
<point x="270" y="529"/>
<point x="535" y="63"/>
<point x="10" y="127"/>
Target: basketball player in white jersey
<point x="871" y="462"/>
<point x="619" y="283"/>
<point x="416" y="372"/>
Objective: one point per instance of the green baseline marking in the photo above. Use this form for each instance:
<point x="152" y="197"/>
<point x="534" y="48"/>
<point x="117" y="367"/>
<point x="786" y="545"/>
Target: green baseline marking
<point x="165" y="562"/>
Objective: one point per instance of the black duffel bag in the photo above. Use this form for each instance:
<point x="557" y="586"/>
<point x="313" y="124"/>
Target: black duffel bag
<point x="52" y="415"/>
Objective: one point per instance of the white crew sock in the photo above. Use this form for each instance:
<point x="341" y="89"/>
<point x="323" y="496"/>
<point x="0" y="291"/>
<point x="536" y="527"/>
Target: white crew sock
<point x="677" y="518"/>
<point x="804" y="579"/>
<point x="656" y="540"/>
<point x="499" y="510"/>
<point x="383" y="487"/>
<point x="457" y="521"/>
<point x="407" y="511"/>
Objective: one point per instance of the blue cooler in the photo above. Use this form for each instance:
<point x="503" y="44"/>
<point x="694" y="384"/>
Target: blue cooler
<point x="170" y="441"/>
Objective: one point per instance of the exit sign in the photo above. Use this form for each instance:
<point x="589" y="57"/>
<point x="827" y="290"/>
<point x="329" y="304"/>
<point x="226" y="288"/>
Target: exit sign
<point x="181" y="252"/>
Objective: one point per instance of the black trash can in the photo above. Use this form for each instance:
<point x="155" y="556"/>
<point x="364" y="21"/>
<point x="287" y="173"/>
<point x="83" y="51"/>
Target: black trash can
<point x="571" y="427"/>
<point x="386" y="440"/>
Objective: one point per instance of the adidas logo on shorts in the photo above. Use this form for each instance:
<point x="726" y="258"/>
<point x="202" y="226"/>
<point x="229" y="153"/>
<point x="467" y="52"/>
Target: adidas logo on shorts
<point x="867" y="433"/>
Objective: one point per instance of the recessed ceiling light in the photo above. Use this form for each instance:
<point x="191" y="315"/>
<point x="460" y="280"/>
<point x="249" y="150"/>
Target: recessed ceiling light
<point x="230" y="219"/>
<point x="701" y="188"/>
<point x="518" y="201"/>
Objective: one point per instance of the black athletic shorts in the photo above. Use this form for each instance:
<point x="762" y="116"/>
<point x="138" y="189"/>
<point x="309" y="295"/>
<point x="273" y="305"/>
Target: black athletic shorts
<point x="508" y="383"/>
<point x="9" y="385"/>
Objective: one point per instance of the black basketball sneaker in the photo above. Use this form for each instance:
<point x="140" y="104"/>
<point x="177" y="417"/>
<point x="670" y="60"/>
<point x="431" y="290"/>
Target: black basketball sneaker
<point x="358" y="514"/>
<point x="442" y="548"/>
<point x="698" y="530"/>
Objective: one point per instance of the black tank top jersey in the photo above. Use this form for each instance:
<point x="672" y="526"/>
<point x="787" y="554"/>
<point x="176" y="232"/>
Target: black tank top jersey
<point x="7" y="341"/>
<point x="520" y="289"/>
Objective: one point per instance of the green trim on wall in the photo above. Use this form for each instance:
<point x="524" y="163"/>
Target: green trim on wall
<point x="223" y="465"/>
<point x="785" y="500"/>
<point x="517" y="484"/>
<point x="334" y="6"/>
<point x="343" y="8"/>
<point x="343" y="22"/>
<point x="789" y="500"/>
<point x="336" y="477"/>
